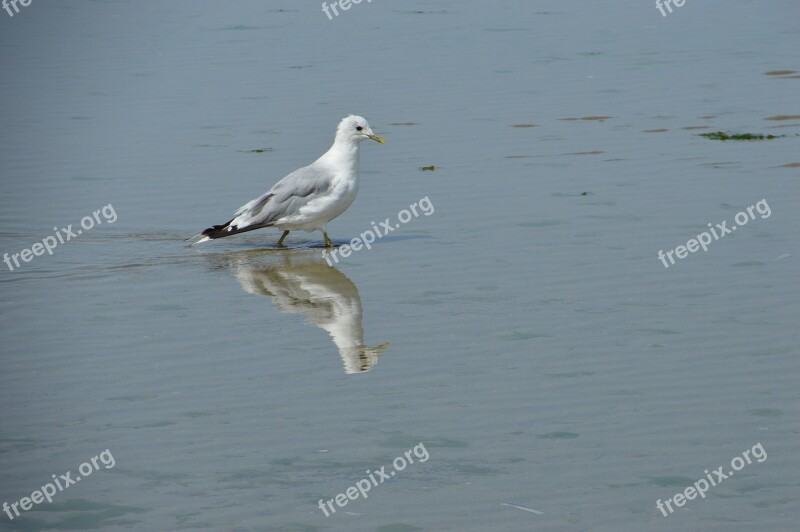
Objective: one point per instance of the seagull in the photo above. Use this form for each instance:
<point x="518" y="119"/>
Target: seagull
<point x="308" y="198"/>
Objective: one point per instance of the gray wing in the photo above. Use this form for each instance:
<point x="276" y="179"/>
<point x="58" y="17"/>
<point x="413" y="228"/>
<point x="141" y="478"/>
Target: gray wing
<point x="285" y="198"/>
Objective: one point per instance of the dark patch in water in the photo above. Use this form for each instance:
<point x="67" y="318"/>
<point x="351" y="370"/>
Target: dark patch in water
<point x="766" y="412"/>
<point x="783" y="117"/>
<point x="589" y="118"/>
<point x="666" y="482"/>
<point x="721" y="135"/>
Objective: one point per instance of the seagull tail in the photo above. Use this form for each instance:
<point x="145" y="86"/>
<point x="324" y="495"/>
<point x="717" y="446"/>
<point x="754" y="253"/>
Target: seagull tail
<point x="218" y="231"/>
<point x="222" y="230"/>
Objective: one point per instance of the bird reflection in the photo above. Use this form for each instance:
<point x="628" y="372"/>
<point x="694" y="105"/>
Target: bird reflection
<point x="301" y="283"/>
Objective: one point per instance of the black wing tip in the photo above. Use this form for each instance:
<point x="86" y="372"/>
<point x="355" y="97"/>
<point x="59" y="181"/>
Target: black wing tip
<point x="218" y="231"/>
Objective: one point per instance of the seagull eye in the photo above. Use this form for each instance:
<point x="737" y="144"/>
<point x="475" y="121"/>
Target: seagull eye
<point x="359" y="128"/>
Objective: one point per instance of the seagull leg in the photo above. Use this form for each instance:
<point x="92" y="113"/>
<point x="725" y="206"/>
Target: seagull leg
<point x="328" y="243"/>
<point x="283" y="236"/>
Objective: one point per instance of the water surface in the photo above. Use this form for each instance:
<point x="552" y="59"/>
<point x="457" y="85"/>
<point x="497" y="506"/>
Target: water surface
<point x="526" y="331"/>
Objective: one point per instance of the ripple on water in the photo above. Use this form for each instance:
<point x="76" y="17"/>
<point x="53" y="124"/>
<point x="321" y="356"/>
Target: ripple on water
<point x="558" y="435"/>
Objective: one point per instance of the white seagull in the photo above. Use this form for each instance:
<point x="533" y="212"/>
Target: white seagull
<point x="310" y="197"/>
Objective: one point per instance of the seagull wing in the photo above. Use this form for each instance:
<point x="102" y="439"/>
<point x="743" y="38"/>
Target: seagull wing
<point x="286" y="198"/>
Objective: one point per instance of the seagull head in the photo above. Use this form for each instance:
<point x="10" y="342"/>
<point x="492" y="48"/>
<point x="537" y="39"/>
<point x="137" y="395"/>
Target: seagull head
<point x="355" y="129"/>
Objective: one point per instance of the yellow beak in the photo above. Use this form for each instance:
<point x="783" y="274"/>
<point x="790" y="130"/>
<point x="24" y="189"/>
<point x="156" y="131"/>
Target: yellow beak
<point x="377" y="139"/>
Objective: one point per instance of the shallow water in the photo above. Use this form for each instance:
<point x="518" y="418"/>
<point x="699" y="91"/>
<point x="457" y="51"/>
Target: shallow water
<point x="525" y="332"/>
